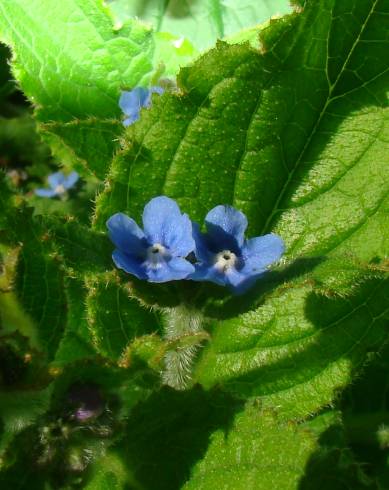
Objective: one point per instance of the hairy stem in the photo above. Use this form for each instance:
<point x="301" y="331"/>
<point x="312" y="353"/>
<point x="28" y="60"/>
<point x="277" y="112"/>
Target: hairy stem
<point x="184" y="329"/>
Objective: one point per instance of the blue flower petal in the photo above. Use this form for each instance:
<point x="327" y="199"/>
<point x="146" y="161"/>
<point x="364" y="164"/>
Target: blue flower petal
<point x="240" y="282"/>
<point x="131" y="102"/>
<point x="180" y="268"/>
<point x="130" y="120"/>
<point x="70" y="180"/>
<point x="201" y="250"/>
<point x="258" y="253"/>
<point x="201" y="272"/>
<point x="129" y="264"/>
<point x="173" y="270"/>
<point x="164" y="223"/>
<point x="207" y="272"/>
<point x="45" y="192"/>
<point x="56" y="179"/>
<point x="226" y="226"/>
<point x="126" y="235"/>
<point x="145" y="97"/>
<point x="157" y="90"/>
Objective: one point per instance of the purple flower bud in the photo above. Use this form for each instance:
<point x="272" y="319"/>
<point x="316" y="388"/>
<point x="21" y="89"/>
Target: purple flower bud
<point x="87" y="401"/>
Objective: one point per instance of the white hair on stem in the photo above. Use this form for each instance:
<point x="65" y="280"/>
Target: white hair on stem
<point x="180" y="323"/>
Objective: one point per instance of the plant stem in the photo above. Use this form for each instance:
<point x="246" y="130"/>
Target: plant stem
<point x="181" y="323"/>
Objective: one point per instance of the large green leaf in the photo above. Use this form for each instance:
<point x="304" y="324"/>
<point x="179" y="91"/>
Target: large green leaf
<point x="40" y="282"/>
<point x="72" y="63"/>
<point x="114" y="318"/>
<point x="216" y="18"/>
<point x="79" y="70"/>
<point x="170" y="431"/>
<point x="89" y="142"/>
<point x="297" y="138"/>
<point x="109" y="473"/>
<point x="299" y="347"/>
<point x="365" y="406"/>
<point x="76" y="343"/>
<point x="260" y="453"/>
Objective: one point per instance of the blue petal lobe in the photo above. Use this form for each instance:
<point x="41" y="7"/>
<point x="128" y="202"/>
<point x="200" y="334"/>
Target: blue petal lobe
<point x="173" y="270"/>
<point x="131" y="119"/>
<point x="258" y="253"/>
<point x="226" y="226"/>
<point x="55" y="179"/>
<point x="157" y="90"/>
<point x="70" y="180"/>
<point x="201" y="250"/>
<point x="131" y="102"/>
<point x="206" y="272"/>
<point x="45" y="192"/>
<point x="126" y="234"/>
<point x="164" y="223"/>
<point x="129" y="264"/>
<point x="241" y="282"/>
<point x="180" y="268"/>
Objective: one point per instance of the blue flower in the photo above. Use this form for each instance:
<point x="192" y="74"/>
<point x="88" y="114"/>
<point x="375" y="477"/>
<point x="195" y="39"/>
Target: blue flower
<point x="226" y="257"/>
<point x="132" y="102"/>
<point x="59" y="184"/>
<point x="158" y="253"/>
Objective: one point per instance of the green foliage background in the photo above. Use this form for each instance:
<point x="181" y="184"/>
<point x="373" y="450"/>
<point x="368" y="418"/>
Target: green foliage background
<point x="287" y="121"/>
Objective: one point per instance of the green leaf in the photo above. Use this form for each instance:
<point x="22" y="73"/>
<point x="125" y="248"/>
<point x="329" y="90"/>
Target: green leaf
<point x="171" y="53"/>
<point x="100" y="311"/>
<point x="40" y="282"/>
<point x="76" y="73"/>
<point x="170" y="431"/>
<point x="83" y="250"/>
<point x="260" y="452"/>
<point x="287" y="136"/>
<point x="76" y="343"/>
<point x="114" y="318"/>
<point x="217" y="19"/>
<point x="19" y="410"/>
<point x="298" y="348"/>
<point x="109" y="473"/>
<point x="89" y="142"/>
<point x="296" y="136"/>
<point x="365" y="407"/>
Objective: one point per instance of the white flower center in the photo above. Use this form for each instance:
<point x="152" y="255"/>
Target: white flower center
<point x="225" y="260"/>
<point x="156" y="253"/>
<point x="60" y="189"/>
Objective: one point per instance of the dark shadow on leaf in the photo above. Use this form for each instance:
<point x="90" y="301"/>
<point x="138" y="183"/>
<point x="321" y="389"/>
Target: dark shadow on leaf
<point x="217" y="301"/>
<point x="332" y="465"/>
<point x="344" y="330"/>
<point x="220" y="304"/>
<point x="172" y="8"/>
<point x="170" y="432"/>
<point x="365" y="407"/>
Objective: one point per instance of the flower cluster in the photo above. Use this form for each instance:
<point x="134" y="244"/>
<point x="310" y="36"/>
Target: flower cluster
<point x="170" y="247"/>
<point x="132" y="102"/>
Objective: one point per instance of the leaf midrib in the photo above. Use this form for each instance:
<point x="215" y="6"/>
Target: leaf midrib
<point x="269" y="222"/>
